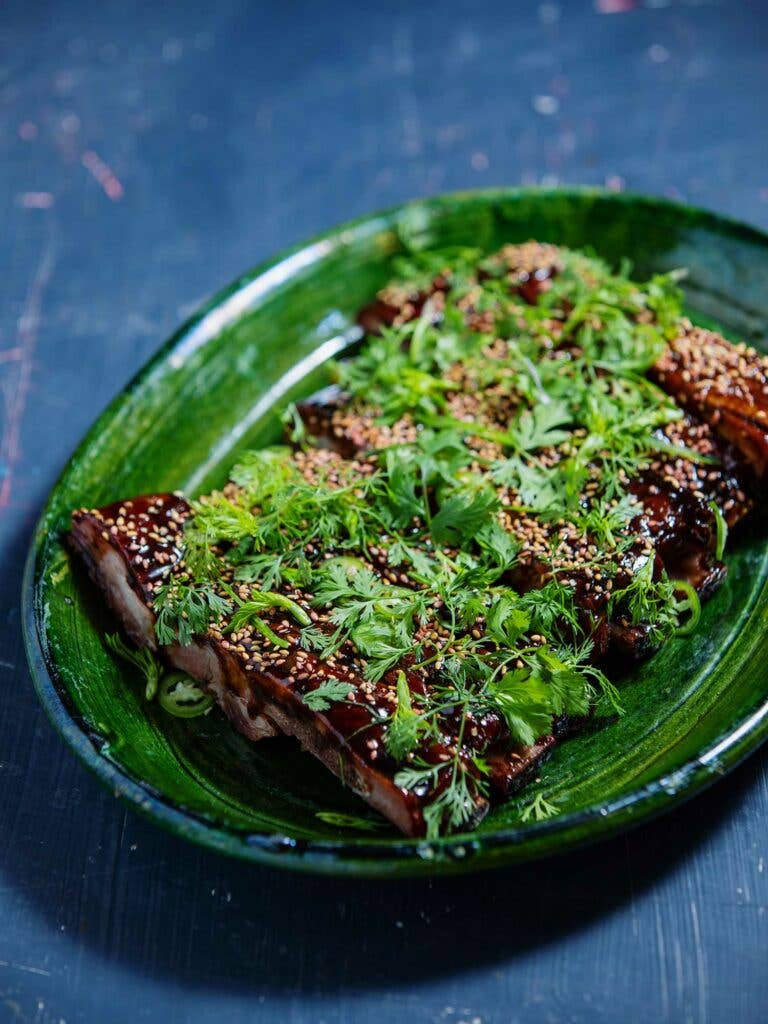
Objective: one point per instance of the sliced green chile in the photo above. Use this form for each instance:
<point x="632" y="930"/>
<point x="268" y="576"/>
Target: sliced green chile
<point x="690" y="603"/>
<point x="182" y="696"/>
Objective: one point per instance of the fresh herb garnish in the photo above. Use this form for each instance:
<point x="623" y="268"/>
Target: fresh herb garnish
<point x="141" y="657"/>
<point x="687" y="608"/>
<point x="456" y="803"/>
<point x="185" y="609"/>
<point x="491" y="413"/>
<point x="377" y="617"/>
<point x="721" y="529"/>
<point x="648" y="598"/>
<point x="329" y="692"/>
<point x="538" y="809"/>
<point x="177" y="693"/>
<point x="248" y="612"/>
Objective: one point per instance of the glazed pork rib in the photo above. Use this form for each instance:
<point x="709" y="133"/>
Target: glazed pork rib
<point x="721" y="383"/>
<point x="130" y="548"/>
<point x="724" y="384"/>
<point x="264" y="686"/>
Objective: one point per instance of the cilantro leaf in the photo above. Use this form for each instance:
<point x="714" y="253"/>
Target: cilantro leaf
<point x="507" y="620"/>
<point x="539" y="809"/>
<point x="462" y="515"/>
<point x="541" y="427"/>
<point x="383" y="642"/>
<point x="329" y="692"/>
<point x="522" y="698"/>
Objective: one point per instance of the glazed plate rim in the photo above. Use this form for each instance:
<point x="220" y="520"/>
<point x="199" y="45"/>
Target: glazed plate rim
<point x="367" y="856"/>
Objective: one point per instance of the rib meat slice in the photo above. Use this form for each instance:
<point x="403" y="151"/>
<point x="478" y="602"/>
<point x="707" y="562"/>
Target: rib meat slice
<point x="724" y="384"/>
<point x="131" y="547"/>
<point x="127" y="556"/>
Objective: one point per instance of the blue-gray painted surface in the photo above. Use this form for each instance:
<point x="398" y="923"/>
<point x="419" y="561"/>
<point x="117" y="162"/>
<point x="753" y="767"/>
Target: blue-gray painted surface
<point x="148" y="153"/>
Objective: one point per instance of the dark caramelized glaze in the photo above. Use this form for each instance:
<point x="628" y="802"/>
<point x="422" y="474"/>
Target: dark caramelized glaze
<point x="147" y="529"/>
<point x="725" y="384"/>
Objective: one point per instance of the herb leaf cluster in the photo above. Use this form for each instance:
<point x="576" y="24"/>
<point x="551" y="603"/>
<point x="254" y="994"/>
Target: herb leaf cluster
<point x="566" y="419"/>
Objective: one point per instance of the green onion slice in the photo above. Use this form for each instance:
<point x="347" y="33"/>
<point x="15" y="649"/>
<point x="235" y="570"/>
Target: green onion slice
<point x="182" y="697"/>
<point x="689" y="603"/>
<point x="261" y="626"/>
<point x="350" y="821"/>
<point x="269" y="599"/>
<point x="722" y="530"/>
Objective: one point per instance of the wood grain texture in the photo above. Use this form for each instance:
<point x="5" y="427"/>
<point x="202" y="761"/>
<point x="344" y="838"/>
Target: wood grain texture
<point x="231" y="133"/>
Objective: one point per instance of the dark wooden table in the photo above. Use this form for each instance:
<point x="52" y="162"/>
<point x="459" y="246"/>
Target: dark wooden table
<point x="150" y="152"/>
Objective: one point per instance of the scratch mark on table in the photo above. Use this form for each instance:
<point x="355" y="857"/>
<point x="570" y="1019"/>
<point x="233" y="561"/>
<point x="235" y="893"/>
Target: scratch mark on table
<point x="16" y="397"/>
<point x="103" y="174"/>
<point x="661" y="950"/>
<point x="701" y="975"/>
<point x="28" y="968"/>
<point x="37" y="200"/>
<point x="677" y="953"/>
<point x="28" y="131"/>
<point x="614" y="6"/>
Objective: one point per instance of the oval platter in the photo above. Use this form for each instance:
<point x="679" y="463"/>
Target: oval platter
<point x="692" y="712"/>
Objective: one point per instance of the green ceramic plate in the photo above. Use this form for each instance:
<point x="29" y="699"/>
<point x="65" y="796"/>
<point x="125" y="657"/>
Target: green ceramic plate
<point x="693" y="711"/>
